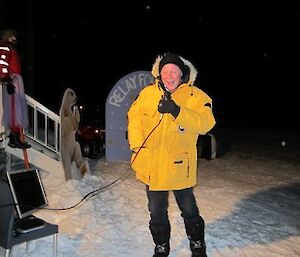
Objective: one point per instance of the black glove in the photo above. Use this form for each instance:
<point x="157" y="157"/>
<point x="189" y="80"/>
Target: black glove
<point x="10" y="88"/>
<point x="167" y="105"/>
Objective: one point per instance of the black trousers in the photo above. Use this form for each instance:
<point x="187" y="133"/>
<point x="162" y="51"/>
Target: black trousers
<point x="158" y="205"/>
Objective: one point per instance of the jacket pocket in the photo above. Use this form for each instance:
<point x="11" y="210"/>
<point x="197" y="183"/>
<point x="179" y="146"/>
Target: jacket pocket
<point x="179" y="167"/>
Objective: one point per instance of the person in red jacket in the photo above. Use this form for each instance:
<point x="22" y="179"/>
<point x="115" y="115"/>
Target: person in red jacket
<point x="15" y="110"/>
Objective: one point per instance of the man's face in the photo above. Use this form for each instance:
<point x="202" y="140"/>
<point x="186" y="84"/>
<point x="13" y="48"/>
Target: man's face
<point x="171" y="76"/>
<point x="12" y="39"/>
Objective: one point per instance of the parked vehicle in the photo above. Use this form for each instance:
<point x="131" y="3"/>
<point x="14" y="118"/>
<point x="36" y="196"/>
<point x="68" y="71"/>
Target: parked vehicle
<point x="207" y="146"/>
<point x="91" y="140"/>
<point x="91" y="134"/>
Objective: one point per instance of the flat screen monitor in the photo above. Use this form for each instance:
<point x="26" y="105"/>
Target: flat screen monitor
<point x="27" y="191"/>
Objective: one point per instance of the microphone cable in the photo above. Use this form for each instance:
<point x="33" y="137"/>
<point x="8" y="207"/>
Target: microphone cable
<point x="101" y="189"/>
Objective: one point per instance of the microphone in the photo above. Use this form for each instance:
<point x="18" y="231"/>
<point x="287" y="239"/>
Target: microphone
<point x="167" y="95"/>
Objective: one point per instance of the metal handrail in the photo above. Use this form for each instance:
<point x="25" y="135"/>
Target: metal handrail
<point x="44" y="125"/>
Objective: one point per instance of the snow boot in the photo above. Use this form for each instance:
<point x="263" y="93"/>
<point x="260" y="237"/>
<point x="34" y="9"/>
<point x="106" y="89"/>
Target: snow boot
<point x="198" y="248"/>
<point x="161" y="237"/>
<point x="14" y="141"/>
<point x="195" y="233"/>
<point x="162" y="250"/>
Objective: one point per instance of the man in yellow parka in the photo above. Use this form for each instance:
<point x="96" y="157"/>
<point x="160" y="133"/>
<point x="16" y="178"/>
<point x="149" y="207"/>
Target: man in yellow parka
<point x="163" y="127"/>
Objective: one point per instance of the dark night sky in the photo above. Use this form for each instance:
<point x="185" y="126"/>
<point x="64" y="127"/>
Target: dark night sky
<point x="247" y="56"/>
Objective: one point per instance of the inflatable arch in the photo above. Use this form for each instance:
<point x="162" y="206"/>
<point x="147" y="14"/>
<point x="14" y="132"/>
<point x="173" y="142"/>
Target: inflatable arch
<point x="117" y="105"/>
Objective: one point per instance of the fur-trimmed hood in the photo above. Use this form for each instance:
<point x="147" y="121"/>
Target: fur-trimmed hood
<point x="193" y="71"/>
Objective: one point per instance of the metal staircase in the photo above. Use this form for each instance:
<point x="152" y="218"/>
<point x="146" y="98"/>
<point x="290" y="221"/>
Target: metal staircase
<point x="43" y="134"/>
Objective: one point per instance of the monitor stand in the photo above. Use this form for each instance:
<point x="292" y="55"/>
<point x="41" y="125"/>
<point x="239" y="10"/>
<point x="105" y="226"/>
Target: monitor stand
<point x="29" y="224"/>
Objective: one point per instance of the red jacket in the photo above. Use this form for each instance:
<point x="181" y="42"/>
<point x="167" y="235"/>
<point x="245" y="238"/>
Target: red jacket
<point x="9" y="60"/>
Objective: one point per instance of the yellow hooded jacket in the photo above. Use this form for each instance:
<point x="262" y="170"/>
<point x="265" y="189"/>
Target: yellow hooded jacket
<point x="168" y="158"/>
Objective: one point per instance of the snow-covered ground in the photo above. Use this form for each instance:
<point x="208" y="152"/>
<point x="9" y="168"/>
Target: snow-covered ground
<point x="249" y="197"/>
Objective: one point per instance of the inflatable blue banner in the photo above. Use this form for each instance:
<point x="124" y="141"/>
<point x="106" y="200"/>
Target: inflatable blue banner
<point x="117" y="105"/>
